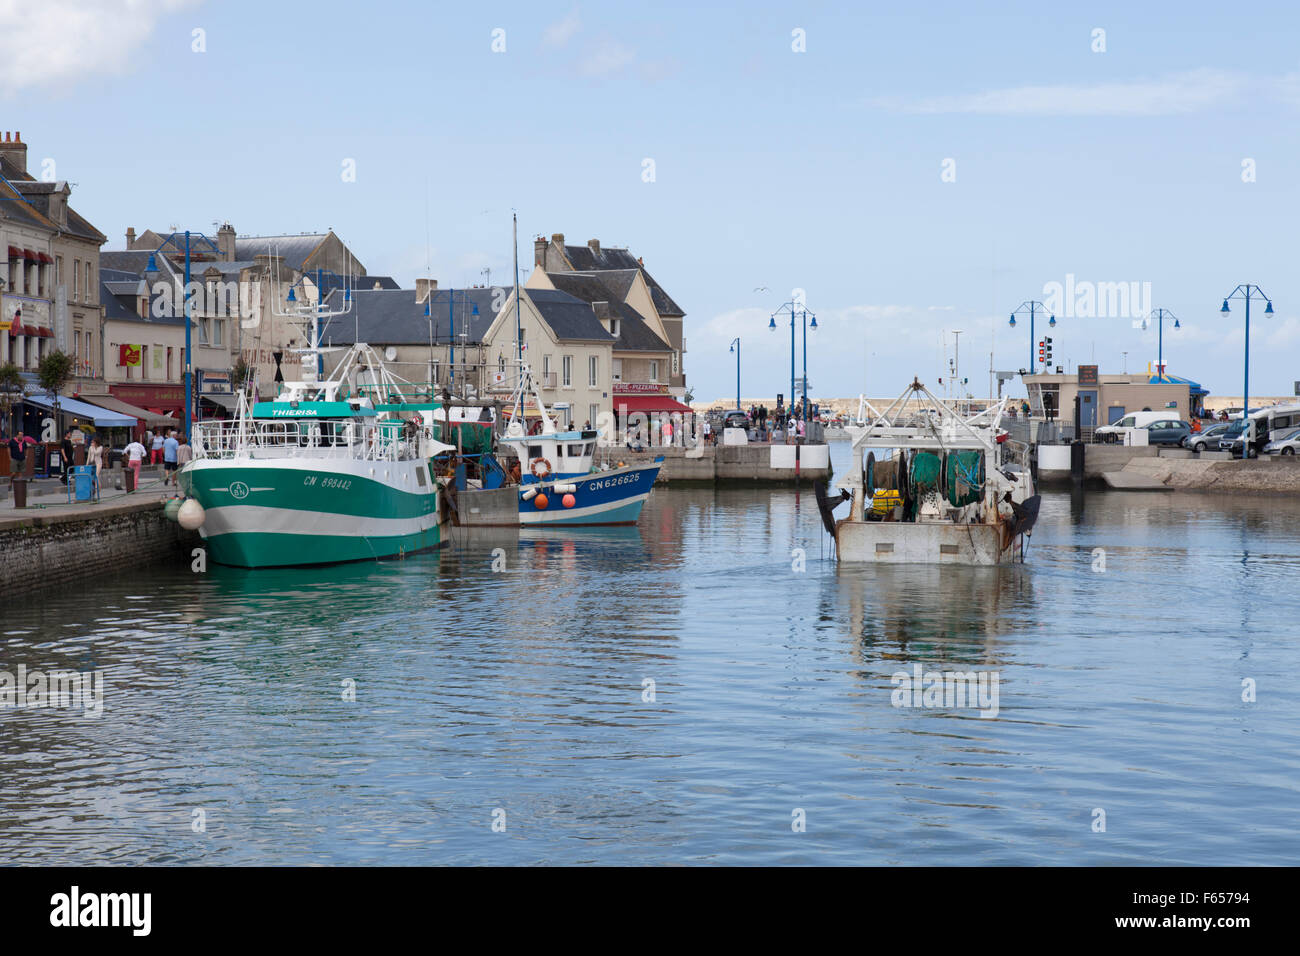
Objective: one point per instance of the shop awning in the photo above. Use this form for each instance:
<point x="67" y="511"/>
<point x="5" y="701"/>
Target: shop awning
<point x="150" y="418"/>
<point x="646" y="404"/>
<point x="44" y="332"/>
<point x="15" y="252"/>
<point x="229" y="402"/>
<point x="45" y="257"/>
<point x="1167" y="379"/>
<point x="102" y="417"/>
<point x="30" y="255"/>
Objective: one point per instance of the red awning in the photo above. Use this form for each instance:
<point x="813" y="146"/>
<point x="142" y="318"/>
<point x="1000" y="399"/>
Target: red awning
<point x="45" y="257"/>
<point x="30" y="255"/>
<point x="15" y="252"/>
<point x="17" y="329"/>
<point x="45" y="333"/>
<point x="648" y="403"/>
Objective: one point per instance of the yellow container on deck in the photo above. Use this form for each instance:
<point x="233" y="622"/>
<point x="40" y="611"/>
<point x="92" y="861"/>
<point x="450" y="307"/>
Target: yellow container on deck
<point x="885" y="500"/>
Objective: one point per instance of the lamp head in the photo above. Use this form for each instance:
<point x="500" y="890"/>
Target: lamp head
<point x="1012" y="323"/>
<point x="771" y="324"/>
<point x="813" y="324"/>
<point x="1268" y="309"/>
<point x="1225" y="306"/>
<point x="292" y="297"/>
<point x="1052" y="321"/>
<point x="1177" y="324"/>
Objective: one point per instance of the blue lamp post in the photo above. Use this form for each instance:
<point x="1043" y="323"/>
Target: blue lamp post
<point x="771" y="325"/>
<point x="1032" y="308"/>
<point x="1161" y="315"/>
<point x="1247" y="292"/>
<point x="735" y="347"/>
<point x="189" y="351"/>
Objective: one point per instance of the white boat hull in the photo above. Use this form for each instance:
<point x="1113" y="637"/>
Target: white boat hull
<point x="899" y="542"/>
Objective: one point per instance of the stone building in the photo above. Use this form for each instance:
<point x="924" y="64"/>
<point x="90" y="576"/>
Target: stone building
<point x="52" y="278"/>
<point x="628" y="281"/>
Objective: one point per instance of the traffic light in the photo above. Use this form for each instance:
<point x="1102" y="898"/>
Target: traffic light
<point x="1047" y="346"/>
<point x="1042" y="350"/>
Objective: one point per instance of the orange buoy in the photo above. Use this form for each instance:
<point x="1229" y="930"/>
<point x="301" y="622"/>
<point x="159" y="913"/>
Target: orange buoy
<point x="541" y="502"/>
<point x="569" y="501"/>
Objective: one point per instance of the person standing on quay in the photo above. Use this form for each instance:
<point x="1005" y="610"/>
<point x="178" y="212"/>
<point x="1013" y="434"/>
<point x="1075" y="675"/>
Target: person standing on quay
<point x="17" y="452"/>
<point x="134" y="458"/>
<point x="95" y="458"/>
<point x="184" y="455"/>
<point x="157" y="455"/>
<point x="170" y="444"/>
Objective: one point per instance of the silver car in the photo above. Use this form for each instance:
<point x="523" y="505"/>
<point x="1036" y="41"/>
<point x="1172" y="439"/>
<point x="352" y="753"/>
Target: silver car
<point x="1286" y="445"/>
<point x="1207" y="440"/>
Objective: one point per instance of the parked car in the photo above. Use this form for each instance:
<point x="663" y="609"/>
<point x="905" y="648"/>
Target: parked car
<point x="1167" y="431"/>
<point x="1115" y="432"/>
<point x="735" y="418"/>
<point x="1286" y="445"/>
<point x="1207" y="440"/>
<point x="1231" y="440"/>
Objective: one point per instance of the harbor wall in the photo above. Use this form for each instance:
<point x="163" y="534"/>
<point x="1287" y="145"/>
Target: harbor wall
<point x="726" y="463"/>
<point x="44" y="550"/>
<point x="1271" y="474"/>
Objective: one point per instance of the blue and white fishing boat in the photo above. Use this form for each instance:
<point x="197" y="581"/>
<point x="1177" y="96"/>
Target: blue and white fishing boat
<point x="557" y="483"/>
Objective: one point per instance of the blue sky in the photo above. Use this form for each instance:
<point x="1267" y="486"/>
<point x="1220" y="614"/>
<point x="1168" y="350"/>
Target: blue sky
<point x="817" y="170"/>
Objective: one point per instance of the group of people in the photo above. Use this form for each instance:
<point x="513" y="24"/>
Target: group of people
<point x="169" y="450"/>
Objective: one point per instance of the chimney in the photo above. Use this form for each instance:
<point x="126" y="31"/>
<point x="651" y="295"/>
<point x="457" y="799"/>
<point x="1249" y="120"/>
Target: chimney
<point x="226" y="242"/>
<point x="539" y="252"/>
<point x="130" y="237"/>
<point x="423" y="287"/>
<point x="557" y="237"/>
<point x="15" y="150"/>
<point x="594" y="246"/>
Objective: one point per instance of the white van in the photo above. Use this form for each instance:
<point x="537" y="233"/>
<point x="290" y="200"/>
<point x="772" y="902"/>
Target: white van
<point x="1115" y="432"/>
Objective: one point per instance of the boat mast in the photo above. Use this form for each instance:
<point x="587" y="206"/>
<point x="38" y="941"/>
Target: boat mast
<point x="519" y="354"/>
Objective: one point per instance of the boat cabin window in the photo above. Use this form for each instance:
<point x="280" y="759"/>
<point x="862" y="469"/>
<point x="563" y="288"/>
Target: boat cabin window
<point x="419" y="477"/>
<point x="534" y="451"/>
<point x="591" y="447"/>
<point x="575" y="451"/>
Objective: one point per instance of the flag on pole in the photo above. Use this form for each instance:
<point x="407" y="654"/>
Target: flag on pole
<point x="129" y="355"/>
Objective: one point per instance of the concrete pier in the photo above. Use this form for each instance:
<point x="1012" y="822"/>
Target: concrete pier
<point x="740" y="464"/>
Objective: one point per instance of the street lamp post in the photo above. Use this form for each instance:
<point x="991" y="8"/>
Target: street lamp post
<point x="1247" y="292"/>
<point x="1161" y="315"/>
<point x="152" y="266"/>
<point x="735" y="347"/>
<point x="1033" y="308"/>
<point x="794" y="305"/>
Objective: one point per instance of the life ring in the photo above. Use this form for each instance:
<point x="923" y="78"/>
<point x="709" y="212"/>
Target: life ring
<point x="535" y="466"/>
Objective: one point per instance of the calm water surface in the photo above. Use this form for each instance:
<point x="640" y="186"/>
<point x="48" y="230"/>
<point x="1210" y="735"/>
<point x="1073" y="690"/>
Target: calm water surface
<point x="522" y="690"/>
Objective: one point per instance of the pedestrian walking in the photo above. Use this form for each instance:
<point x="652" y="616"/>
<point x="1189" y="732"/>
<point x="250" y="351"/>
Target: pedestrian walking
<point x="135" y="453"/>
<point x="65" y="452"/>
<point x="170" y="445"/>
<point x="17" y="453"/>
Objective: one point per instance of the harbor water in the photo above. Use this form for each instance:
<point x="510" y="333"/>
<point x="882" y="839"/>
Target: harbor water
<point x="706" y="687"/>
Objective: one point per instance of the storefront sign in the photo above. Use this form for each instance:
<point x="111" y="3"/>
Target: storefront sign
<point x="640" y="388"/>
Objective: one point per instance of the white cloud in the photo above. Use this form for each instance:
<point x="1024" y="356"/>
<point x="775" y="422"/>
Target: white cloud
<point x="54" y="43"/>
<point x="562" y="31"/>
<point x="606" y="56"/>
<point x="1188" y="92"/>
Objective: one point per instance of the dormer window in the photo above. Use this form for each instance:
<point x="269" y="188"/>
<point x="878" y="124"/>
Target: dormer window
<point x="615" y="326"/>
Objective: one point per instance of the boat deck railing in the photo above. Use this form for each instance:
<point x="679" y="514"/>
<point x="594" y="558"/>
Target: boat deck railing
<point x="369" y="441"/>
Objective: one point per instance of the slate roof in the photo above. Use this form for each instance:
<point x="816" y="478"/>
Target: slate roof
<point x="568" y="316"/>
<point x="15" y="208"/>
<point x="118" y="291"/>
<point x="296" y="250"/>
<point x="616" y="260"/>
<point x="393" y="317"/>
<point x="26" y="184"/>
<point x="132" y="262"/>
<point x="634" y="334"/>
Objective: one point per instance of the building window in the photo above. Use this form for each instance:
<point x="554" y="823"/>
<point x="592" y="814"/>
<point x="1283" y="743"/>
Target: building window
<point x="76" y="351"/>
<point x="618" y="370"/>
<point x="169" y="363"/>
<point x="566" y="367"/>
<point x="593" y="414"/>
<point x="203" y="331"/>
<point x="654" y="370"/>
<point x="218" y="333"/>
<point x="593" y="371"/>
<point x="615" y="326"/>
<point x="144" y="362"/>
<point x="546" y="365"/>
<point x="58" y="270"/>
<point x="90" y="281"/>
<point x="76" y="279"/>
<point x="90" y="353"/>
